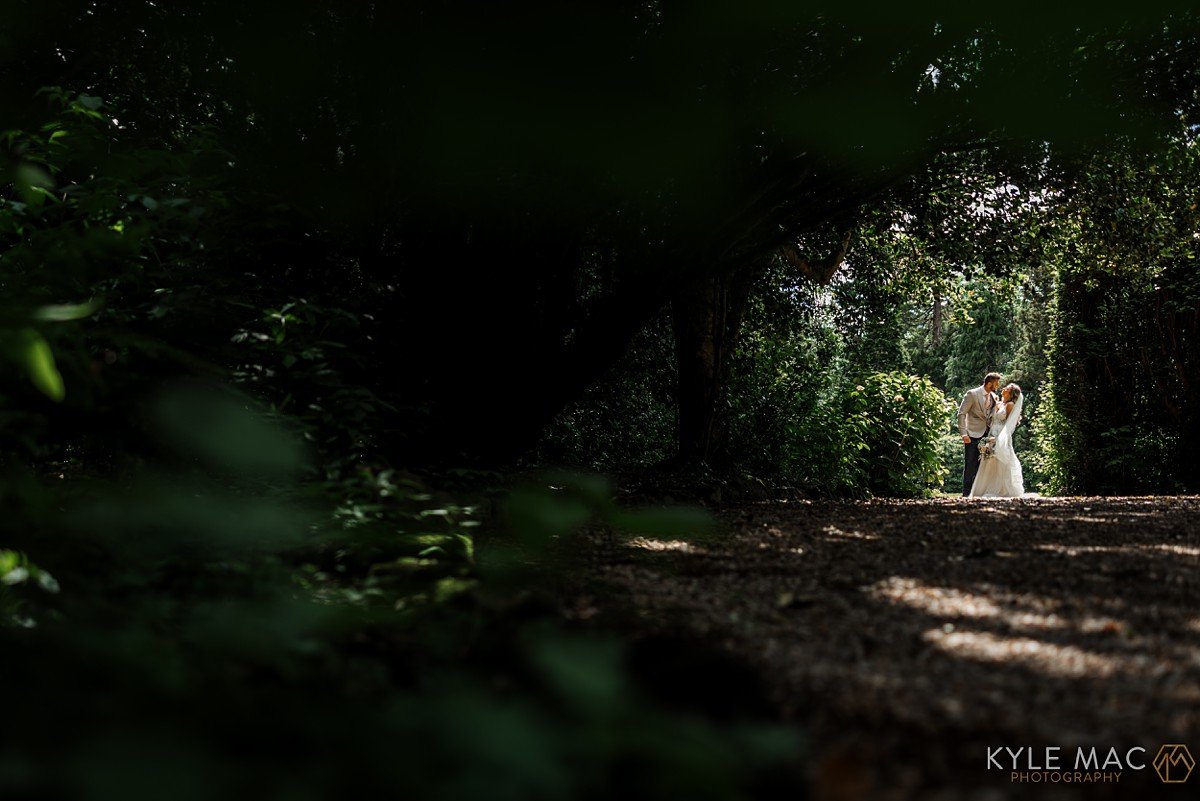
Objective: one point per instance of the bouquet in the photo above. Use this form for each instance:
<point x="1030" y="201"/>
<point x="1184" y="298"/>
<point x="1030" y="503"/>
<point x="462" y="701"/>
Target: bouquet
<point x="987" y="447"/>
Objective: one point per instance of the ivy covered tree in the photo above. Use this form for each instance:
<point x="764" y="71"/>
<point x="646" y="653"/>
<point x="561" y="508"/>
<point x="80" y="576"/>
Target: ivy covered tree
<point x="1122" y="357"/>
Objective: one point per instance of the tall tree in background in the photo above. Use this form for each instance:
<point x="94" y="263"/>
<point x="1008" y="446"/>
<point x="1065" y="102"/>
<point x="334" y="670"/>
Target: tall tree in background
<point x="1123" y="356"/>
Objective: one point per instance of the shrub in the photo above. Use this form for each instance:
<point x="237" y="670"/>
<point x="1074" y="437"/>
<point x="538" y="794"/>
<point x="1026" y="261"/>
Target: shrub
<point x="891" y="434"/>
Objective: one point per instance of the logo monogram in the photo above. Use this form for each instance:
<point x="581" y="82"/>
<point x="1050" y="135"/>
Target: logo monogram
<point x="1174" y="763"/>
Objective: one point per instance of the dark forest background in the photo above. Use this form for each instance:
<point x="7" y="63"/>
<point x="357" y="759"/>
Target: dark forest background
<point x="299" y="298"/>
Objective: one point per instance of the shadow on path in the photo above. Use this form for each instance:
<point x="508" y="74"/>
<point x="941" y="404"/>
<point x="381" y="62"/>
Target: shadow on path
<point x="910" y="635"/>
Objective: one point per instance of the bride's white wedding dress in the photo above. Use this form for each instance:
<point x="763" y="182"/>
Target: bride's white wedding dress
<point x="1000" y="476"/>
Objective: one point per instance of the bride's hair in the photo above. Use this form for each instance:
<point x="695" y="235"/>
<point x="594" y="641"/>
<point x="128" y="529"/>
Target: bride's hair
<point x="1014" y="391"/>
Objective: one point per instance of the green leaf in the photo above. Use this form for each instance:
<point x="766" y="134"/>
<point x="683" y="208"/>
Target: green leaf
<point x="536" y="516"/>
<point x="39" y="362"/>
<point x="58" y="313"/>
<point x="39" y="194"/>
<point x="229" y="431"/>
<point x="15" y="576"/>
<point x="33" y="175"/>
<point x="674" y="521"/>
<point x="33" y="183"/>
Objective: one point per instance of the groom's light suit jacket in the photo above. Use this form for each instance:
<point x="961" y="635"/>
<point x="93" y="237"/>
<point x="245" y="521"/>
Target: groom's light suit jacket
<point x="973" y="415"/>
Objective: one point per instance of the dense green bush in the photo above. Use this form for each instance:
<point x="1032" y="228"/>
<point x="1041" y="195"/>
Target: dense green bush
<point x="784" y="377"/>
<point x="892" y="434"/>
<point x="795" y="416"/>
<point x="1124" y="350"/>
<point x="953" y="457"/>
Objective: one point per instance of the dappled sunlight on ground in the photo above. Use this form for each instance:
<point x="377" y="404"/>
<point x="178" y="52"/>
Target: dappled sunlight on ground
<point x="1057" y="660"/>
<point x="948" y="602"/>
<point x="649" y="544"/>
<point x="955" y="622"/>
<point x="834" y="531"/>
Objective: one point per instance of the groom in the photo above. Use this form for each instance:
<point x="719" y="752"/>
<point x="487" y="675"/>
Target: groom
<point x="975" y="422"/>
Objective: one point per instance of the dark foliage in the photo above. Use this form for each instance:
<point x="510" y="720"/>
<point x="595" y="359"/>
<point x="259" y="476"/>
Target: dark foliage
<point x="291" y="290"/>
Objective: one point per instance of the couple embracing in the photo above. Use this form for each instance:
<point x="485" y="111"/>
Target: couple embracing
<point x="986" y="421"/>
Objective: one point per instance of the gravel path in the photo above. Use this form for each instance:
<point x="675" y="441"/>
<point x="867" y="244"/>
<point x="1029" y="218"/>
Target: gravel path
<point x="910" y="636"/>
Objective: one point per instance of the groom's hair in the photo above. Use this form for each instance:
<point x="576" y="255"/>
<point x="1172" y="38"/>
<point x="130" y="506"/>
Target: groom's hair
<point x="991" y="377"/>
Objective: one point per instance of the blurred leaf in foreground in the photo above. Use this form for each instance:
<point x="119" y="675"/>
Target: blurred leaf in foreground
<point x="225" y="430"/>
<point x="35" y="353"/>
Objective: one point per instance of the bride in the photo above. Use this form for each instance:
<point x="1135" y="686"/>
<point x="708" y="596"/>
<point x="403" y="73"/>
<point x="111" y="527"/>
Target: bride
<point x="1000" y="474"/>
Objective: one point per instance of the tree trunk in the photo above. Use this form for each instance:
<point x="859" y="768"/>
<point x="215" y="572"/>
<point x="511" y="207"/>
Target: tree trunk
<point x="937" y="321"/>
<point x="707" y="318"/>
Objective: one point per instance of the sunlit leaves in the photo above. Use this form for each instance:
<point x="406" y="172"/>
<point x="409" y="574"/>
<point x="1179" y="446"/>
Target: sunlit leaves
<point x="15" y="568"/>
<point x="62" y="312"/>
<point x="892" y="433"/>
<point x="35" y="353"/>
<point x="17" y="573"/>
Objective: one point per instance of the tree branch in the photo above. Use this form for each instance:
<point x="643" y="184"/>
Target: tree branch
<point x="820" y="272"/>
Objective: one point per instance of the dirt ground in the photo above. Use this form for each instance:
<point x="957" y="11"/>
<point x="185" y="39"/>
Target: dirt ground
<point x="908" y="637"/>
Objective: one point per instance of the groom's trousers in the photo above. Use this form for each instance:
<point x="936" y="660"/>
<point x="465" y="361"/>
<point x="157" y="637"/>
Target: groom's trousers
<point x="971" y="463"/>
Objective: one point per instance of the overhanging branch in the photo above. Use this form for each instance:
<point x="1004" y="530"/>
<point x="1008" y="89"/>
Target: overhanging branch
<point x="822" y="271"/>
